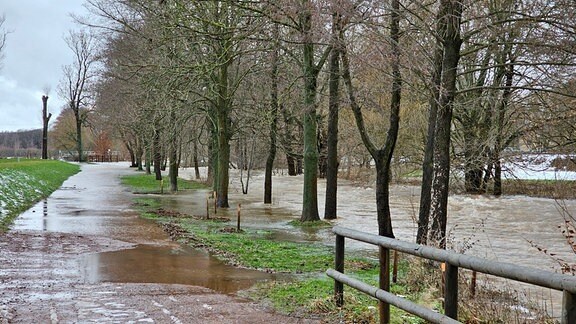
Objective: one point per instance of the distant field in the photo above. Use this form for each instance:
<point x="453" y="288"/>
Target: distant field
<point x="23" y="182"/>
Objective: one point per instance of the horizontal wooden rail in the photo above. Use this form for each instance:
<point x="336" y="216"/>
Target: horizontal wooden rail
<point x="501" y="269"/>
<point x="390" y="298"/>
<point x="453" y="261"/>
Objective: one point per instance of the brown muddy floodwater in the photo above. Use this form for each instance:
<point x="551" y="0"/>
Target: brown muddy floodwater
<point x="93" y="203"/>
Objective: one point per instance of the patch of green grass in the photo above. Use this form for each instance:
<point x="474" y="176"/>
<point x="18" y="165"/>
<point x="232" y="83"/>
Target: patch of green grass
<point x="313" y="224"/>
<point x="252" y="249"/>
<point x="147" y="183"/>
<point x="315" y="295"/>
<point x="23" y="182"/>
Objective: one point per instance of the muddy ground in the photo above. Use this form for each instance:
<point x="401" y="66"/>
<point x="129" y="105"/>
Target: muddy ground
<point x="41" y="282"/>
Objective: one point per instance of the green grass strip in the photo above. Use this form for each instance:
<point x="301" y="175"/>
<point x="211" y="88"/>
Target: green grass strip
<point x="24" y="182"/>
<point x="147" y="183"/>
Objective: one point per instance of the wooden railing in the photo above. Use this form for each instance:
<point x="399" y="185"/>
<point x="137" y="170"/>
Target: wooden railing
<point x="453" y="261"/>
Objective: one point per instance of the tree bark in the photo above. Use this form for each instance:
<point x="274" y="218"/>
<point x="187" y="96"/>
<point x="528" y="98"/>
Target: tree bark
<point x="223" y="135"/>
<point x="195" y="160"/>
<point x="173" y="167"/>
<point x="428" y="163"/>
<point x="274" y="106"/>
<point x="157" y="155"/>
<point x="451" y="15"/>
<point x="310" y="191"/>
<point x="45" y="120"/>
<point x="79" y="148"/>
<point x="330" y="207"/>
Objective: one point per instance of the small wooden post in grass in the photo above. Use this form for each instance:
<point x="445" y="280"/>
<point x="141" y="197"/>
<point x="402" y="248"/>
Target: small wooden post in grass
<point x="207" y="207"/>
<point x="162" y="186"/>
<point x="215" y="201"/>
<point x="384" y="284"/>
<point x="473" y="284"/>
<point x="395" y="267"/>
<point x="238" y="213"/>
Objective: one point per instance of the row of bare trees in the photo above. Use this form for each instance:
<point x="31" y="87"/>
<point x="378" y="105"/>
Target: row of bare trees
<point x="446" y="85"/>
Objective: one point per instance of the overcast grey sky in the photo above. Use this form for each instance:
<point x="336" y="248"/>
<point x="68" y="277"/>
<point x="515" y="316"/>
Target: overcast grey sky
<point x="34" y="55"/>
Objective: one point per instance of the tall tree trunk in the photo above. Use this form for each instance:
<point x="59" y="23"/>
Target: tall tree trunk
<point x="274" y="106"/>
<point x="428" y="163"/>
<point x="45" y="120"/>
<point x="138" y="153"/>
<point x="130" y="149"/>
<point x="223" y="134"/>
<point x="451" y="15"/>
<point x="157" y="155"/>
<point x="195" y="159"/>
<point x="310" y="194"/>
<point x="331" y="202"/>
<point x="500" y="125"/>
<point x="291" y="163"/>
<point x="173" y="166"/>
<point x="79" y="147"/>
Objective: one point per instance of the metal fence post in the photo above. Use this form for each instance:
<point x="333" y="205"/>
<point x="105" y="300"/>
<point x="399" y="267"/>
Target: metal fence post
<point x="568" y="308"/>
<point x="339" y="266"/>
<point x="451" y="291"/>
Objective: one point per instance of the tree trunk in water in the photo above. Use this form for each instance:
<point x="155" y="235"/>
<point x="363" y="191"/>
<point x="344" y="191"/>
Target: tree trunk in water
<point x="157" y="155"/>
<point x="223" y="134"/>
<point x="451" y="15"/>
<point x="274" y="106"/>
<point x="195" y="158"/>
<point x="331" y="202"/>
<point x="310" y="190"/>
<point x="500" y="124"/>
<point x="497" y="175"/>
<point x="173" y="168"/>
<point x="45" y="120"/>
<point x="428" y="163"/>
<point x="291" y="162"/>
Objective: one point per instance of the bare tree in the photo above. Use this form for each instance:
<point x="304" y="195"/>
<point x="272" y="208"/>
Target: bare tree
<point x="45" y="119"/>
<point x="77" y="75"/>
<point x="3" y="36"/>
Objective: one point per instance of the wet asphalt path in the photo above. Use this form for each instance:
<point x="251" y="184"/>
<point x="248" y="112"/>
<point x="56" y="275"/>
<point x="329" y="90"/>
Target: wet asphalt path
<point x="84" y="256"/>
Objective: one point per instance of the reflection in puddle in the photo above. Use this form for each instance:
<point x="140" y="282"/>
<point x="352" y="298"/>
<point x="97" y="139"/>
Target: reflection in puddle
<point x="171" y="265"/>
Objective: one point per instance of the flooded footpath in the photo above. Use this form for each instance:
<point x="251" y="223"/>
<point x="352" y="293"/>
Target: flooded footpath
<point x="83" y="255"/>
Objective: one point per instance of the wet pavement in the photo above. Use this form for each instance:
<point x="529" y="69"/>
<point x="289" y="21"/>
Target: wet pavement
<point x="83" y="255"/>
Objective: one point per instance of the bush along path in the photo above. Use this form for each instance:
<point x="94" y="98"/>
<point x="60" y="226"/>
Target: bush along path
<point x="24" y="182"/>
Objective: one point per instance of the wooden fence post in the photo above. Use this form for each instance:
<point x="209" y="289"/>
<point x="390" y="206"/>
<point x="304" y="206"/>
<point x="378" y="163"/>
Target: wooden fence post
<point x="451" y="292"/>
<point x="238" y="221"/>
<point x="339" y="266"/>
<point x="568" y="308"/>
<point x="383" y="307"/>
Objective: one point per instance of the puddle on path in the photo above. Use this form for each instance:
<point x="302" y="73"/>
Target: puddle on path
<point x="171" y="265"/>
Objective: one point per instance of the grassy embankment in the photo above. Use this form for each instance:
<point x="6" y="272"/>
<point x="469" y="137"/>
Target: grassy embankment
<point x="310" y="293"/>
<point x="23" y="182"/>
